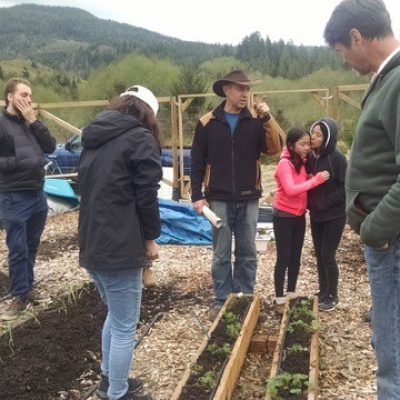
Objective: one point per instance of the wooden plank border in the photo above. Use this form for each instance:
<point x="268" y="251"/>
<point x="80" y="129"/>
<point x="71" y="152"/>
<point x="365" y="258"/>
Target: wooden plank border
<point x="238" y="355"/>
<point x="232" y="370"/>
<point x="314" y="357"/>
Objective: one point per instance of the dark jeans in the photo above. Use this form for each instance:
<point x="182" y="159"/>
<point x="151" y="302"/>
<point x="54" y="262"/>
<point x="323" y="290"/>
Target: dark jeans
<point x="289" y="238"/>
<point x="24" y="215"/>
<point x="326" y="237"/>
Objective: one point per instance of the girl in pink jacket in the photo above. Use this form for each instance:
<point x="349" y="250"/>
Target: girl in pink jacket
<point x="290" y="208"/>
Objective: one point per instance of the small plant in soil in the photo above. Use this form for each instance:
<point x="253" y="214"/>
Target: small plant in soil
<point x="233" y="324"/>
<point x="299" y="326"/>
<point x="220" y="351"/>
<point x="296" y="348"/>
<point x="286" y="384"/>
<point x="209" y="380"/>
<point x="302" y="310"/>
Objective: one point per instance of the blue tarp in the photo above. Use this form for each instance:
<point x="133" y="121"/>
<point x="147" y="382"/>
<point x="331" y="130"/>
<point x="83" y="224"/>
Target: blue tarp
<point x="180" y="224"/>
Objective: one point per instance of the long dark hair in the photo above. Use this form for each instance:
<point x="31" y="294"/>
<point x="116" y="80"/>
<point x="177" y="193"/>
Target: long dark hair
<point x="294" y="135"/>
<point x="131" y="105"/>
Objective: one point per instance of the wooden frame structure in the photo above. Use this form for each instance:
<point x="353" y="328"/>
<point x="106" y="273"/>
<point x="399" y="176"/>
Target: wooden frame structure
<point x="341" y="93"/>
<point x="328" y="99"/>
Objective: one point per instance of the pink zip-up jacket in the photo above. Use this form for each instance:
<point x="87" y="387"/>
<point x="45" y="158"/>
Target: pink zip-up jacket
<point x="293" y="186"/>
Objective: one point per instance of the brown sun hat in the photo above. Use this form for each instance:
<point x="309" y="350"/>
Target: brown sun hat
<point x="237" y="76"/>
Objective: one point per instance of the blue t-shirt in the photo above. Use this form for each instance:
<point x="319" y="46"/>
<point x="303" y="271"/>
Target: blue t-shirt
<point x="232" y="120"/>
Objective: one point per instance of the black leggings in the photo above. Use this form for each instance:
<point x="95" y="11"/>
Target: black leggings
<point x="289" y="238"/>
<point x="326" y="237"/>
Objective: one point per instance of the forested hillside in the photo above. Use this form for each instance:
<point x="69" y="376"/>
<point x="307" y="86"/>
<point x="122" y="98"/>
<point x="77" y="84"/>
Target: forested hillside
<point x="74" y="40"/>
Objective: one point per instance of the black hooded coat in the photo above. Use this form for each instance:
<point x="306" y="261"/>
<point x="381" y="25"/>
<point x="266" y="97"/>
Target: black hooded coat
<point x="119" y="174"/>
<point x="327" y="201"/>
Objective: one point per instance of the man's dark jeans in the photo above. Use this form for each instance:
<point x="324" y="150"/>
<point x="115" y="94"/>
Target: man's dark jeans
<point x="24" y="216"/>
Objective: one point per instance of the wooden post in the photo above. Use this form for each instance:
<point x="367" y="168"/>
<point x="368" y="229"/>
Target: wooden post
<point x="174" y="134"/>
<point x="334" y="104"/>
<point x="181" y="162"/>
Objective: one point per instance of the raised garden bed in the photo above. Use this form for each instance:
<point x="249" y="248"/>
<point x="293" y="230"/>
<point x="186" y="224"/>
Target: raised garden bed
<point x="215" y="368"/>
<point x="294" y="370"/>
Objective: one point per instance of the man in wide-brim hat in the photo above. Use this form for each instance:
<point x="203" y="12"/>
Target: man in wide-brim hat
<point x="226" y="176"/>
<point x="237" y="76"/>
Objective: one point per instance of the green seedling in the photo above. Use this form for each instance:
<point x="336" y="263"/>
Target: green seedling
<point x="294" y="383"/>
<point x="209" y="380"/>
<point x="296" y="348"/>
<point x="299" y="326"/>
<point x="218" y="351"/>
<point x="197" y="369"/>
<point x="302" y="311"/>
<point x="233" y="325"/>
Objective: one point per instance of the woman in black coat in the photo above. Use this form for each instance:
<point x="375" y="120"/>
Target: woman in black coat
<point x="327" y="207"/>
<point x="119" y="220"/>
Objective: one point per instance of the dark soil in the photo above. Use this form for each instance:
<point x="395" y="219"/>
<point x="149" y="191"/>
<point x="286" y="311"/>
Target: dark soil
<point x="61" y="347"/>
<point x="300" y="337"/>
<point x="286" y="395"/>
<point x="296" y="363"/>
<point x="211" y="363"/>
<point x="4" y="284"/>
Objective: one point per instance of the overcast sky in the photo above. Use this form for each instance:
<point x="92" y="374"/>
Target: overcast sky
<point x="220" y="21"/>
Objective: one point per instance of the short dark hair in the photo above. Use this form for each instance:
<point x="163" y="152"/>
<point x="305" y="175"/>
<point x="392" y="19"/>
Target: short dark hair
<point x="11" y="85"/>
<point x="370" y="17"/>
<point x="131" y="105"/>
<point x="294" y="135"/>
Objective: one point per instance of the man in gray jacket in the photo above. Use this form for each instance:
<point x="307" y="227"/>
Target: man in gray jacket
<point x="23" y="204"/>
<point x="361" y="32"/>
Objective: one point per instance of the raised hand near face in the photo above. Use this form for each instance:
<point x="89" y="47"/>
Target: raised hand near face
<point x="25" y="108"/>
<point x="262" y="109"/>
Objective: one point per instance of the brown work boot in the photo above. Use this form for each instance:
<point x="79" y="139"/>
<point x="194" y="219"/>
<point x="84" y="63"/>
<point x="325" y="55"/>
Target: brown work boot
<point x="13" y="309"/>
<point x="148" y="278"/>
<point x="36" y="296"/>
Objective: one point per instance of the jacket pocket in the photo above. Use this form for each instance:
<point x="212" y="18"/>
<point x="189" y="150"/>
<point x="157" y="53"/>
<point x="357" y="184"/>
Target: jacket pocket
<point x="355" y="213"/>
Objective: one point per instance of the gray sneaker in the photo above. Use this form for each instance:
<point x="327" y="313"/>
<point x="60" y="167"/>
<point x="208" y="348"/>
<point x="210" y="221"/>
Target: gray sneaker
<point x="14" y="309"/>
<point x="329" y="304"/>
<point x="134" y="385"/>
<point x="134" y="396"/>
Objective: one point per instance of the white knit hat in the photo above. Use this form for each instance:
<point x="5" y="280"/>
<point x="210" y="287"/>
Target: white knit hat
<point x="143" y="94"/>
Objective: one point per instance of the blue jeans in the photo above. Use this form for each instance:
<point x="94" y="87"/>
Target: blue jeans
<point x="24" y="215"/>
<point x="240" y="220"/>
<point x="121" y="291"/>
<point x="384" y="277"/>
